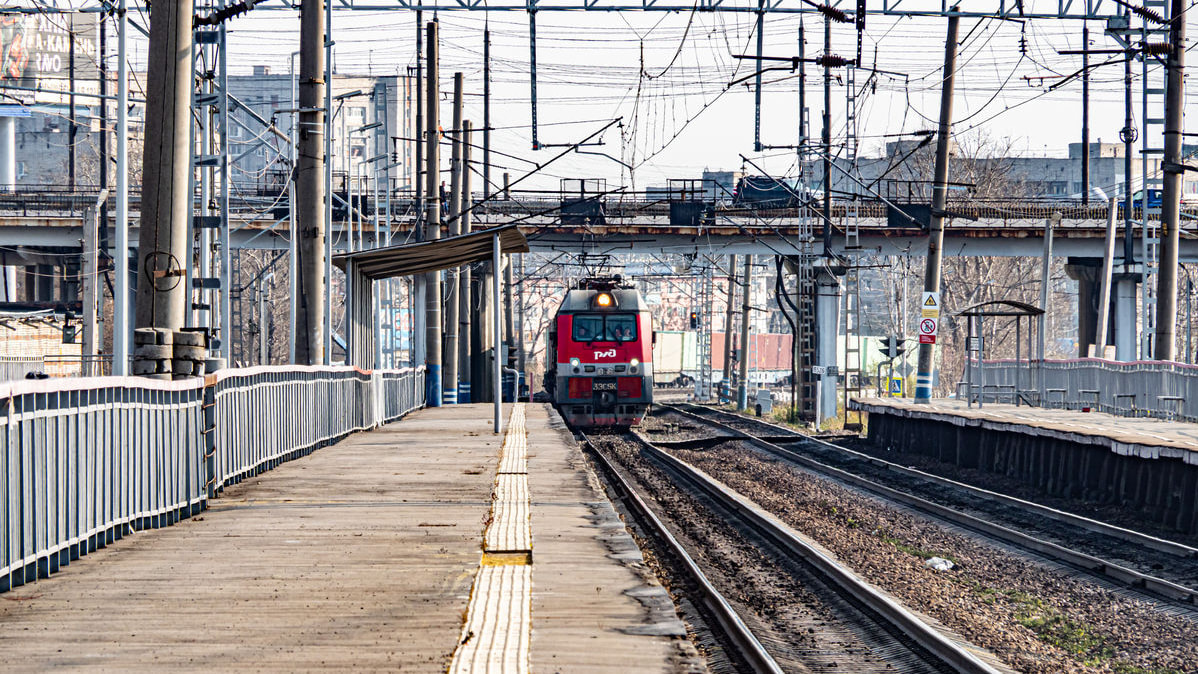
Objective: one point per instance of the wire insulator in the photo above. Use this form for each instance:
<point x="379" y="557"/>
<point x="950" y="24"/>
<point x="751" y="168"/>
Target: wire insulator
<point x="834" y="14"/>
<point x="1147" y="13"/>
<point x="1157" y="48"/>
<point x="224" y="14"/>
<point x="832" y="61"/>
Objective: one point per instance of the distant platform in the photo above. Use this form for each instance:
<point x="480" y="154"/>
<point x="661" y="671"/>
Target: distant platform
<point x="372" y="554"/>
<point x="1128" y="436"/>
<point x="1149" y="465"/>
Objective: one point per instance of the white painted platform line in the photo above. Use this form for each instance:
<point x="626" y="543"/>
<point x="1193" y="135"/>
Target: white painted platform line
<point x="498" y="625"/>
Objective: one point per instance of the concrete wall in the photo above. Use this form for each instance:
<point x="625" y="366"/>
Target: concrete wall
<point x="1164" y="489"/>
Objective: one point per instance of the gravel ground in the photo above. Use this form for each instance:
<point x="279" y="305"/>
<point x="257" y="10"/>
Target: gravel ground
<point x="794" y="620"/>
<point x="1115" y="514"/>
<point x="1110" y="513"/>
<point x="1034" y="616"/>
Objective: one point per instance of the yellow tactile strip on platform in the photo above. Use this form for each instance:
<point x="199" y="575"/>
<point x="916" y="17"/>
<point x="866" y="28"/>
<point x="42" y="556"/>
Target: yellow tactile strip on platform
<point x="509" y="530"/>
<point x="498" y="624"/>
<point x="515" y="444"/>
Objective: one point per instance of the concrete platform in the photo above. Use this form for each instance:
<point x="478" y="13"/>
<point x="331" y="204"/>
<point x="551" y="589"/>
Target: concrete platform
<point x="1143" y="437"/>
<point x="1147" y="464"/>
<point x="361" y="555"/>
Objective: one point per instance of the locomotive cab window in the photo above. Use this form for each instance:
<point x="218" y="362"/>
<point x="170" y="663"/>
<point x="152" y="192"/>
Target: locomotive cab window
<point x="604" y="328"/>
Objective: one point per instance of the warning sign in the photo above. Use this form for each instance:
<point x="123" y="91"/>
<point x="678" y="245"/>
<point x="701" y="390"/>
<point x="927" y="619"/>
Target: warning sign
<point x="929" y="305"/>
<point x="928" y="328"/>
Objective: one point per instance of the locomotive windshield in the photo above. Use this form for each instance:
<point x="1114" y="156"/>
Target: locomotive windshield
<point x="604" y="327"/>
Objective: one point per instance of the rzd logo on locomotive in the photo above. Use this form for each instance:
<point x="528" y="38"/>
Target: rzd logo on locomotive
<point x="610" y="353"/>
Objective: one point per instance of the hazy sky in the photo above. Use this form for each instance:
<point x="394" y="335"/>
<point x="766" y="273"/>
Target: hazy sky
<point x="668" y="76"/>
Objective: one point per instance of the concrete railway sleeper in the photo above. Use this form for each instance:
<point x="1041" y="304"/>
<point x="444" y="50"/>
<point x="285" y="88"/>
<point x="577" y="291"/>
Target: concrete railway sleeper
<point x="868" y="472"/>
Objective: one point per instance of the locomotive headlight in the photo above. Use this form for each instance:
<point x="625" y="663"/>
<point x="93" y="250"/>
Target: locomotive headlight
<point x="574" y="362"/>
<point x="603" y="300"/>
<point x="634" y="362"/>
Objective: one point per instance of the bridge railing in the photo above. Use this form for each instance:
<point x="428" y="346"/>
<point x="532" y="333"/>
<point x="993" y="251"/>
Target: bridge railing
<point x="86" y="461"/>
<point x="1161" y="389"/>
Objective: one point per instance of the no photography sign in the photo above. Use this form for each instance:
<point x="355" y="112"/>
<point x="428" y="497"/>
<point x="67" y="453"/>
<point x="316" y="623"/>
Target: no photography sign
<point x="928" y="329"/>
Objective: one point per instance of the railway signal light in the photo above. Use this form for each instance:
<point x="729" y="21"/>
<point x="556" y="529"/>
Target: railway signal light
<point x="892" y="347"/>
<point x="694" y="320"/>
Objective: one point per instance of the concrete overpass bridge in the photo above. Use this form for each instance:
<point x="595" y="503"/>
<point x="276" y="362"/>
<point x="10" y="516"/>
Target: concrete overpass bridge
<point x="1002" y="228"/>
<point x="43" y="232"/>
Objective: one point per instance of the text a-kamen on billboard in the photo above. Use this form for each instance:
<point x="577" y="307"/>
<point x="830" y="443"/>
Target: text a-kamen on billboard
<point x="36" y="53"/>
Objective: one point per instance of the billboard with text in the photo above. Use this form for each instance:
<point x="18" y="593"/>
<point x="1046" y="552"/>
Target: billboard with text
<point x="36" y="54"/>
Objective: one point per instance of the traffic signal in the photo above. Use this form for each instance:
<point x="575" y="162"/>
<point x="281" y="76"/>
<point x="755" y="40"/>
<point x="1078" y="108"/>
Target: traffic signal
<point x="892" y="347"/>
<point x="694" y="320"/>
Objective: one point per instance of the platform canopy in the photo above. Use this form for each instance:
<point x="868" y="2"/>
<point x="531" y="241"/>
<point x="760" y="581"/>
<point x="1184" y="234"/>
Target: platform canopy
<point x="427" y="256"/>
<point x="1002" y="308"/>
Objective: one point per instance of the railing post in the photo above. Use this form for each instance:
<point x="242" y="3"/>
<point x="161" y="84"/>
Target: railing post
<point x="209" y="407"/>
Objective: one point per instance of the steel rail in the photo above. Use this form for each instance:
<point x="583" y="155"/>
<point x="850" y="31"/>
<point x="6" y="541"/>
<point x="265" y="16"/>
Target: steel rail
<point x="750" y="647"/>
<point x="1089" y="563"/>
<point x="893" y="613"/>
<point x="1152" y="542"/>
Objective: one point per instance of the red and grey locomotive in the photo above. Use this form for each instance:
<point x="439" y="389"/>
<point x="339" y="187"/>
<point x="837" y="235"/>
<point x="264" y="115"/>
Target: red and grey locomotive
<point x="601" y="342"/>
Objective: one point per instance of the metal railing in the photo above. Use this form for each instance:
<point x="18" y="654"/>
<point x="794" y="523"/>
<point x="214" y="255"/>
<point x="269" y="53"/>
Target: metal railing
<point x="21" y="367"/>
<point x="1161" y="389"/>
<point x="85" y="461"/>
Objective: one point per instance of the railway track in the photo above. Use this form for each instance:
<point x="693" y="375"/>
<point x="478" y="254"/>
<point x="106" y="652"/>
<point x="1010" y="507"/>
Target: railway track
<point x="1160" y="568"/>
<point x="872" y="631"/>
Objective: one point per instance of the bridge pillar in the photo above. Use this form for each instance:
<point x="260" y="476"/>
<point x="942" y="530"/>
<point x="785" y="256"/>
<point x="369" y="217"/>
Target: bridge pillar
<point x="827" y="327"/>
<point x="1126" y="300"/>
<point x="8" y="152"/>
<point x="8" y="284"/>
<point x="1088" y="274"/>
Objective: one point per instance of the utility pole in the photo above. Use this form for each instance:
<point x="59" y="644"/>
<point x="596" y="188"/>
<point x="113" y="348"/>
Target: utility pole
<point x="1085" y="114"/>
<point x="90" y="292"/>
<point x="931" y="282"/>
<point x="1128" y="136"/>
<point x="802" y="98"/>
<point x="742" y="387"/>
<point x="1171" y="193"/>
<point x="102" y="241"/>
<point x="465" y="353"/>
<point x="120" y="290"/>
<point x="520" y="321"/>
<point x="826" y="138"/>
<point x="509" y="323"/>
<point x="309" y="188"/>
<point x="71" y="101"/>
<point x="417" y="194"/>
<point x="1166" y="289"/>
<point x="487" y="112"/>
<point x="757" y="84"/>
<point x="165" y="200"/>
<point x="453" y="276"/>
<point x="728" y="318"/>
<point x="432" y="225"/>
<point x="326" y="322"/>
